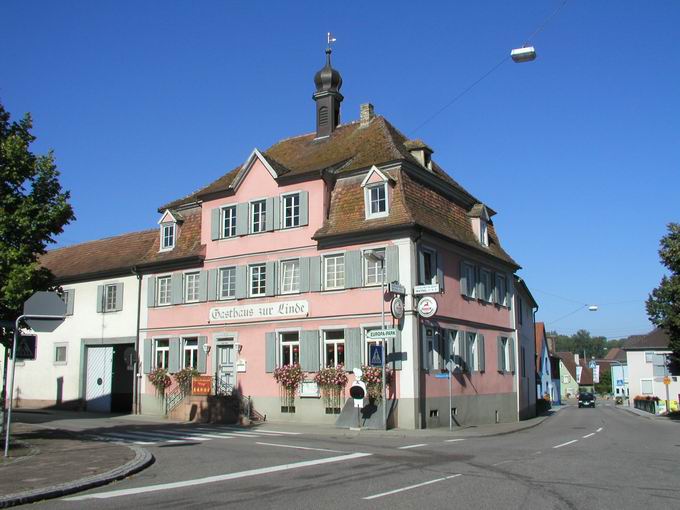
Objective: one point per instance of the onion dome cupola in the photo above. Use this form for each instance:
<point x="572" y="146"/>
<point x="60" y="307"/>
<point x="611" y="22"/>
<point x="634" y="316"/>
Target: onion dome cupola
<point x="328" y="98"/>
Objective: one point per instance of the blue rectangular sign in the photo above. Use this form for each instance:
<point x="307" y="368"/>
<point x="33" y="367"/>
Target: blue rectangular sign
<point x="376" y="355"/>
<point x="442" y="375"/>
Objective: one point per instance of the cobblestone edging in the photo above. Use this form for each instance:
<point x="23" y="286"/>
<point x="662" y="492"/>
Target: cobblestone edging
<point x="142" y="460"/>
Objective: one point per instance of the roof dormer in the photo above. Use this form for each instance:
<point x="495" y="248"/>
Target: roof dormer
<point x="479" y="217"/>
<point x="168" y="229"/>
<point x="421" y="151"/>
<point x="376" y="194"/>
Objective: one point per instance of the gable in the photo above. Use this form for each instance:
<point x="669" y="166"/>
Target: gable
<point x="256" y="161"/>
<point x="374" y="176"/>
<point x="167" y="218"/>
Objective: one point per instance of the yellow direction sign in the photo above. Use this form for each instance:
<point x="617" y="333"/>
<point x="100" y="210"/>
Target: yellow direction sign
<point x="666" y="380"/>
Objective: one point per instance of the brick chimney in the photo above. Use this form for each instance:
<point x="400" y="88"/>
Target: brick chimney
<point x="366" y="114"/>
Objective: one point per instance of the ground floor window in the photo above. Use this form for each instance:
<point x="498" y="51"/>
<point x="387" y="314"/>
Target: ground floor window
<point x="334" y="348"/>
<point x="290" y="348"/>
<point x="190" y="352"/>
<point x="162" y="353"/>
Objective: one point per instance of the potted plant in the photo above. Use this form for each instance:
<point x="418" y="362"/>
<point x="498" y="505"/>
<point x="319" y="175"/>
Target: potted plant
<point x="332" y="382"/>
<point x="372" y="376"/>
<point x="160" y="379"/>
<point x="289" y="378"/>
<point x="183" y="378"/>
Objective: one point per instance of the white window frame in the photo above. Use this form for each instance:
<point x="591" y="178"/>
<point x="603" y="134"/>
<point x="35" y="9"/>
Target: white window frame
<point x="651" y="386"/>
<point x="470" y="279"/>
<point x="367" y="342"/>
<point x="193" y="278"/>
<point x="377" y="265"/>
<point x="168" y="301"/>
<point x="506" y="354"/>
<point x="261" y="216"/>
<point x="489" y="284"/>
<point x="432" y="254"/>
<point x="232" y="282"/>
<point x="295" y="219"/>
<point x="483" y="232"/>
<point x="192" y="349"/>
<point x="57" y="346"/>
<point x="501" y="297"/>
<point x="473" y="352"/>
<point x="336" y="279"/>
<point x="168" y="232"/>
<point x="368" y="202"/>
<point x="227" y="229"/>
<point x="283" y="342"/>
<point x="291" y="286"/>
<point x="649" y="357"/>
<point x="334" y="342"/>
<point x="565" y="379"/>
<point x="262" y="280"/>
<point x="110" y="297"/>
<point x="164" y="349"/>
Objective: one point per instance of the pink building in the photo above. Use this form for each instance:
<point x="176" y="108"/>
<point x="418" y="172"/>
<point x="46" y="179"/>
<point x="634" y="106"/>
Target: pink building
<point x="278" y="273"/>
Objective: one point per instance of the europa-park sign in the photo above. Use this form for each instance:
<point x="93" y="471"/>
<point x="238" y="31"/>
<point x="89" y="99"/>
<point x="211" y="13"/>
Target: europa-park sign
<point x="259" y="311"/>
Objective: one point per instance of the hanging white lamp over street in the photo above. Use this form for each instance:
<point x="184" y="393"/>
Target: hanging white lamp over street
<point x="524" y="54"/>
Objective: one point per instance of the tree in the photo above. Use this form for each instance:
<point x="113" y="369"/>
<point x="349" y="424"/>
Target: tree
<point x="663" y="304"/>
<point x="33" y="209"/>
<point x="605" y="384"/>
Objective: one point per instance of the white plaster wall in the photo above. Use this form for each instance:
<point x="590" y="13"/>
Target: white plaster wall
<point x="37" y="379"/>
<point x="639" y="369"/>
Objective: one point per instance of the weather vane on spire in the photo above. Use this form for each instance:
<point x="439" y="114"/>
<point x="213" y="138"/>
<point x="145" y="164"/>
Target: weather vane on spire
<point x="330" y="39"/>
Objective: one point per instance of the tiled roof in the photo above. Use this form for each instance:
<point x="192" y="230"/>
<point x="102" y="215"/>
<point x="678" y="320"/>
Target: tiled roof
<point x="569" y="362"/>
<point x="657" y="339"/>
<point x="616" y="354"/>
<point x="121" y="253"/>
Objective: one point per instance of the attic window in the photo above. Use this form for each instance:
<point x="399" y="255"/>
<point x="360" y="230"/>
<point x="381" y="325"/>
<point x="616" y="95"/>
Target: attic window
<point x="483" y="233"/>
<point x="168" y="236"/>
<point x="376" y="194"/>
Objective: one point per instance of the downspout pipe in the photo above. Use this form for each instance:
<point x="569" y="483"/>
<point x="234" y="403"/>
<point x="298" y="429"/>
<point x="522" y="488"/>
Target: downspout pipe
<point x="135" y="382"/>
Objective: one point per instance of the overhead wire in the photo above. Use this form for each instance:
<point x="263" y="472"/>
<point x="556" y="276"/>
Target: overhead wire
<point x="540" y="28"/>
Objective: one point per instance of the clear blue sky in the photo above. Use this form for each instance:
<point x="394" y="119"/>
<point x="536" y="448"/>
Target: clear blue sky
<point x="578" y="151"/>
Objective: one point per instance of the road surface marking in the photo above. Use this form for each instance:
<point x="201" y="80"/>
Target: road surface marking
<point x="412" y="446"/>
<point x="217" y="478"/>
<point x="599" y="430"/>
<point x="395" y="491"/>
<point x="453" y="440"/>
<point x="565" y="444"/>
<point x="300" y="447"/>
<point x="127" y="438"/>
<point x="170" y="436"/>
<point x="277" y="432"/>
<point x="502" y="462"/>
<point x="588" y="435"/>
<point x="233" y="433"/>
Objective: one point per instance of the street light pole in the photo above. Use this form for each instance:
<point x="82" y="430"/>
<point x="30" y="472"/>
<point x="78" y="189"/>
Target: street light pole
<point x="373" y="256"/>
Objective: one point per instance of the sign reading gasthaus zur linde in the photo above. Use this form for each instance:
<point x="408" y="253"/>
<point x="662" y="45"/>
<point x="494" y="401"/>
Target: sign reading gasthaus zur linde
<point x="259" y="311"/>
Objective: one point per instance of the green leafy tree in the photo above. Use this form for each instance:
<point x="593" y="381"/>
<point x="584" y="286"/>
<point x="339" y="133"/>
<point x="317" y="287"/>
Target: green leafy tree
<point x="605" y="384"/>
<point x="663" y="305"/>
<point x="33" y="209"/>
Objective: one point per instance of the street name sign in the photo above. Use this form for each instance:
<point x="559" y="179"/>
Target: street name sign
<point x="419" y="290"/>
<point x="442" y="375"/>
<point x="397" y="288"/>
<point x="381" y="334"/>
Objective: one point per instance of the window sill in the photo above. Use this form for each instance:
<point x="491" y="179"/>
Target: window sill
<point x="162" y="250"/>
<point x="377" y="216"/>
<point x="60" y="363"/>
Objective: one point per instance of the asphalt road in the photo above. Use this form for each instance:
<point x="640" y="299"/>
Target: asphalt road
<point x="578" y="459"/>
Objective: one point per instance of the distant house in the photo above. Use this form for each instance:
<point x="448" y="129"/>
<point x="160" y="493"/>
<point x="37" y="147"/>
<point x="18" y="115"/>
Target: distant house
<point x="646" y="359"/>
<point x="575" y="377"/>
<point x="544" y="383"/>
<point x="616" y="358"/>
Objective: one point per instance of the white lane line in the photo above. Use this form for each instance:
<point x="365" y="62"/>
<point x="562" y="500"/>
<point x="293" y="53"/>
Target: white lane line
<point x="453" y="440"/>
<point x="588" y="435"/>
<point x="278" y="432"/>
<point x="155" y="437"/>
<point x="217" y="478"/>
<point x="168" y="436"/>
<point x="502" y="462"/>
<point x="395" y="491"/>
<point x="599" y="430"/>
<point x="254" y="432"/>
<point x="565" y="444"/>
<point x="128" y="438"/>
<point x="232" y="434"/>
<point x="299" y="447"/>
<point x="411" y="446"/>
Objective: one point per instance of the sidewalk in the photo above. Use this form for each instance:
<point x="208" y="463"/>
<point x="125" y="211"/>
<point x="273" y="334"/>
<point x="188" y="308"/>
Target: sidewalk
<point x="47" y="463"/>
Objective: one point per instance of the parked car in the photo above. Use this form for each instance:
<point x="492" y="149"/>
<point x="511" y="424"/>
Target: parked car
<point x="586" y="400"/>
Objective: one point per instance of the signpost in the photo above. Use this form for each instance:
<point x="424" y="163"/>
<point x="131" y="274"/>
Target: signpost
<point x="397" y="288"/>
<point x="376" y="355"/>
<point x="381" y="334"/>
<point x="450" y="365"/>
<point x="26" y="347"/>
<point x="433" y="288"/>
<point x="43" y="312"/>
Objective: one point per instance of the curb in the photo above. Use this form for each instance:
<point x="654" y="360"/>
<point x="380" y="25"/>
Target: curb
<point x="142" y="460"/>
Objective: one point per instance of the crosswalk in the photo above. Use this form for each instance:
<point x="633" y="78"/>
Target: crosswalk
<point x="187" y="435"/>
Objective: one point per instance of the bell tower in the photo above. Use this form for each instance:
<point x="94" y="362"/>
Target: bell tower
<point x="327" y="97"/>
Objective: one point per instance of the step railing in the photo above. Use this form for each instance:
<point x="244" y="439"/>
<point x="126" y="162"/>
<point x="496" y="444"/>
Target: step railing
<point x="174" y="398"/>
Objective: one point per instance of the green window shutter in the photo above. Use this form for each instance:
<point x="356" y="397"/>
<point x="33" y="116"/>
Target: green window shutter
<point x="424" y="349"/>
<point x="463" y="343"/>
<point x="396" y="355"/>
<point x="440" y="270"/>
<point x="277" y="277"/>
<point x="177" y="284"/>
<point x="353" y="269"/>
<point x="352" y="348"/>
<point x="463" y="280"/>
<point x="242" y="219"/>
<point x="212" y="284"/>
<point x="151" y="291"/>
<point x="270" y="279"/>
<point x="215" y="223"/>
<point x="148" y="355"/>
<point x="392" y="264"/>
<point x="202" y="355"/>
<point x="203" y="286"/>
<point x="71" y="293"/>
<point x="269" y="352"/>
<point x="269" y="215"/>
<point x="315" y="274"/>
<point x="309" y="351"/>
<point x="304" y="274"/>
<point x="481" y="353"/>
<point x="511" y="354"/>
<point x="304" y="208"/>
<point x="100" y="298"/>
<point x="481" y="286"/>
<point x="174" y="355"/>
<point x="241" y="282"/>
<point x="276" y="212"/>
<point x="494" y="287"/>
<point x="500" y="354"/>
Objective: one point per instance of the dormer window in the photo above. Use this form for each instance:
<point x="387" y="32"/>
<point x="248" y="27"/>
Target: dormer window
<point x="483" y="233"/>
<point x="168" y="236"/>
<point x="376" y="194"/>
<point x="480" y="217"/>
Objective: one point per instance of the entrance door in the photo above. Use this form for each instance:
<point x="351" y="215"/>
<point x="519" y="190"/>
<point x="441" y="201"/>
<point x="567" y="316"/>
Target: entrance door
<point x="98" y="381"/>
<point x="226" y="368"/>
